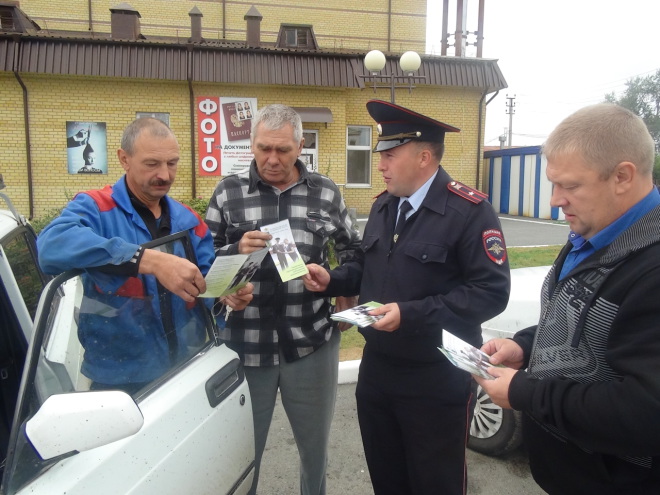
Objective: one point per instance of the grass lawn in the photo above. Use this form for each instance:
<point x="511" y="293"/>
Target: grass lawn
<point x="352" y="341"/>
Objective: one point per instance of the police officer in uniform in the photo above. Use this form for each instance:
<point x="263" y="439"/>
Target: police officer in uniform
<point x="444" y="266"/>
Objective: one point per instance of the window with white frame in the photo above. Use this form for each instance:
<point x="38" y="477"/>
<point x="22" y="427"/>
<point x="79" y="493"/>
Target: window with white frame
<point x="358" y="155"/>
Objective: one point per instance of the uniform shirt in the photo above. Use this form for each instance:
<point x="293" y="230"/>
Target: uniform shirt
<point x="282" y="314"/>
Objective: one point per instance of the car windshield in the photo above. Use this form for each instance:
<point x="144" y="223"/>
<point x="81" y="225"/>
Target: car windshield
<point x="101" y="332"/>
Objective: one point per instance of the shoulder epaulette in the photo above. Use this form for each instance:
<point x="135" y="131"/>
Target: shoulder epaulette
<point x="466" y="192"/>
<point x="380" y="194"/>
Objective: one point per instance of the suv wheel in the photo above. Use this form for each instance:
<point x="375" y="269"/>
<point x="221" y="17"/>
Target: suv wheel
<point x="493" y="431"/>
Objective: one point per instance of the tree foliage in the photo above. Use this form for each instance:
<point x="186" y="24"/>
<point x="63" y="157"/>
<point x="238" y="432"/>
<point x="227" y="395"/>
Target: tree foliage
<point x="642" y="96"/>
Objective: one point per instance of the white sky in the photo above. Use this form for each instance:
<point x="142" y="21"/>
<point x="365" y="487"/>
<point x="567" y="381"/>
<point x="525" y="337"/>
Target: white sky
<point x="556" y="55"/>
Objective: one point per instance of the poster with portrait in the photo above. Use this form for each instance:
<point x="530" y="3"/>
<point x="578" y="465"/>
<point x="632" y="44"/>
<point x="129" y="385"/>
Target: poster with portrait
<point x="86" y="147"/>
<point x="224" y="126"/>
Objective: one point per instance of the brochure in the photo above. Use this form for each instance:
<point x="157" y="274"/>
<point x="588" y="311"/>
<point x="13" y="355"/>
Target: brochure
<point x="359" y="315"/>
<point x="284" y="252"/>
<point x="228" y="274"/>
<point x="465" y="356"/>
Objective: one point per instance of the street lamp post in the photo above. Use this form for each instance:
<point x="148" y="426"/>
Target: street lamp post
<point x="409" y="62"/>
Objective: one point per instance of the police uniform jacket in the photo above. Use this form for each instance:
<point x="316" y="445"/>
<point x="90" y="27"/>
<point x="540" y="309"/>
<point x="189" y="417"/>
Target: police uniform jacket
<point x="447" y="270"/>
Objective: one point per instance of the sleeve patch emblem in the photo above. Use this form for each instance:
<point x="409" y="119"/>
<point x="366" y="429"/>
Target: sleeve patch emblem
<point x="494" y="246"/>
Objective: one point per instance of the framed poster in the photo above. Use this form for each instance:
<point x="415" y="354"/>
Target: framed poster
<point x="86" y="147"/>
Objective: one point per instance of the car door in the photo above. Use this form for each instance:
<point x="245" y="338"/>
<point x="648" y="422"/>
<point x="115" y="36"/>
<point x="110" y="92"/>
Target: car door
<point x="188" y="430"/>
<point x="21" y="282"/>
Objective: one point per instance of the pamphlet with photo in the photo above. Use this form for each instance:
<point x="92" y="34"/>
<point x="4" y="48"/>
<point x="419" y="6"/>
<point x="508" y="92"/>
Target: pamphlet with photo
<point x="284" y="252"/>
<point x="359" y="315"/>
<point x="466" y="356"/>
<point x="229" y="274"/>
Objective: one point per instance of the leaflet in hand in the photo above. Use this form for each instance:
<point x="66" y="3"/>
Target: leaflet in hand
<point x="359" y="315"/>
<point x="284" y="252"/>
<point x="465" y="356"/>
<point x="228" y="274"/>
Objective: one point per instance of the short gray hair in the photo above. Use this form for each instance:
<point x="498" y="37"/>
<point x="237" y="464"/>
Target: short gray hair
<point x="276" y="116"/>
<point x="603" y="135"/>
<point x="156" y="128"/>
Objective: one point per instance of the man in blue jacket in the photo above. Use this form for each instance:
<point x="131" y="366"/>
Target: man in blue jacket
<point x="443" y="266"/>
<point x="132" y="329"/>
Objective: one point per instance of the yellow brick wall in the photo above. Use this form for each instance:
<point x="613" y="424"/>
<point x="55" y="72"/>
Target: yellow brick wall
<point x="337" y="23"/>
<point x="54" y="100"/>
<point x="454" y="106"/>
<point x="13" y="153"/>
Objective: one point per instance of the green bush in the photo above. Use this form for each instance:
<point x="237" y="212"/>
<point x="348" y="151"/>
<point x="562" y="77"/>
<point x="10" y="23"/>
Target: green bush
<point x="199" y="204"/>
<point x="39" y="223"/>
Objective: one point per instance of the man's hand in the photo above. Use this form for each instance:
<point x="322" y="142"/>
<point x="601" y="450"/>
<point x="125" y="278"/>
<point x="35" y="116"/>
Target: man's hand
<point x="342" y="303"/>
<point x="239" y="299"/>
<point x="498" y="389"/>
<point x="178" y="275"/>
<point x="317" y="279"/>
<point x="508" y="353"/>
<point x="392" y="319"/>
<point x="504" y="351"/>
<point x="252" y="241"/>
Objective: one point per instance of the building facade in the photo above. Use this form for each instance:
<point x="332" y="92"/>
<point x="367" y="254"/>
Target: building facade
<point x="74" y="74"/>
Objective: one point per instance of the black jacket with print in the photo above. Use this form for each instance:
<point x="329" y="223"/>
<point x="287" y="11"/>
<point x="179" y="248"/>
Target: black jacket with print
<point x="591" y="393"/>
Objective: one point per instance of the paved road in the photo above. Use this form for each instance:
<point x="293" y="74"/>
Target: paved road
<point x="347" y="469"/>
<point x="523" y="231"/>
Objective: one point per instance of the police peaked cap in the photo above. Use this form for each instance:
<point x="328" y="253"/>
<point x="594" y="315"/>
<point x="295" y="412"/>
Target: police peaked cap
<point x="398" y="125"/>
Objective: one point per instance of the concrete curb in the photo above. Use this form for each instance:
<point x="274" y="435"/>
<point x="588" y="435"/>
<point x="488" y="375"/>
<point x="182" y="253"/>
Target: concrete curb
<point x="348" y="371"/>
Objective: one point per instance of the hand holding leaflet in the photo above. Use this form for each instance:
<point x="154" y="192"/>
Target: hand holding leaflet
<point x="359" y="315"/>
<point x="228" y="274"/>
<point x="284" y="252"/>
<point x="465" y="356"/>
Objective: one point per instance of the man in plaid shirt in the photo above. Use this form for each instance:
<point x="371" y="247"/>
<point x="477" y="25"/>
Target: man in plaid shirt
<point x="285" y="337"/>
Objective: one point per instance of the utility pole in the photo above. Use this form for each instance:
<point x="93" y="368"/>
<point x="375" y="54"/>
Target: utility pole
<point x="510" y="111"/>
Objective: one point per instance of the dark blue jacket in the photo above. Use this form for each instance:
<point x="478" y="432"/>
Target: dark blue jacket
<point x="444" y="272"/>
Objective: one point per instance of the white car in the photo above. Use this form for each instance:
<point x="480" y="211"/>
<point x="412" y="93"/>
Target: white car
<point x="496" y="431"/>
<point x="188" y="431"/>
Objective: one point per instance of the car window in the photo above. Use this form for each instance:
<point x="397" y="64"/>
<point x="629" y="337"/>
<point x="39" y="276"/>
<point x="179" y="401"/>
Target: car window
<point x="19" y="250"/>
<point x="103" y="332"/>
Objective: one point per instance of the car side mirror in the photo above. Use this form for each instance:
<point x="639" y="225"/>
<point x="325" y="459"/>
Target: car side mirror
<point x="82" y="421"/>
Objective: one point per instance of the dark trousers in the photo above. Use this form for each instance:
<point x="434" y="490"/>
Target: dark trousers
<point x="414" y="429"/>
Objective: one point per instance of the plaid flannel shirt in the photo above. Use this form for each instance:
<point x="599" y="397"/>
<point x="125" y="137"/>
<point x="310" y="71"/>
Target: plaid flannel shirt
<point x="282" y="314"/>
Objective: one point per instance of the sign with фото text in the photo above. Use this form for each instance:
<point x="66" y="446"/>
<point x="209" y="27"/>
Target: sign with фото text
<point x="224" y="134"/>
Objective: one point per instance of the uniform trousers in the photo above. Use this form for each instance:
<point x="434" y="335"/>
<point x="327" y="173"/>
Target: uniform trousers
<point x="414" y="429"/>
<point x="308" y="388"/>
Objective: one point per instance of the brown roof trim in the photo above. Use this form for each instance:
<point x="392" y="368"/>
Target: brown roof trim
<point x="221" y="64"/>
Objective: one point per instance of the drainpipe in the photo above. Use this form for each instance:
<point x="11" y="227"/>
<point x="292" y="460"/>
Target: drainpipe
<point x="479" y="158"/>
<point x="89" y="11"/>
<point x="389" y="25"/>
<point x="481" y="118"/>
<point x="26" y="125"/>
<point x="224" y="17"/>
<point x="191" y="96"/>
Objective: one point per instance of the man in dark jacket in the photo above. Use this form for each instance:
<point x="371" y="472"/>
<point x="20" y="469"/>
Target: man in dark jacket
<point x="444" y="266"/>
<point x="591" y="392"/>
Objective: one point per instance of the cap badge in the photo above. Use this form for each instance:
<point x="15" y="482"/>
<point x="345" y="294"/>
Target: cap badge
<point x="379" y="128"/>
